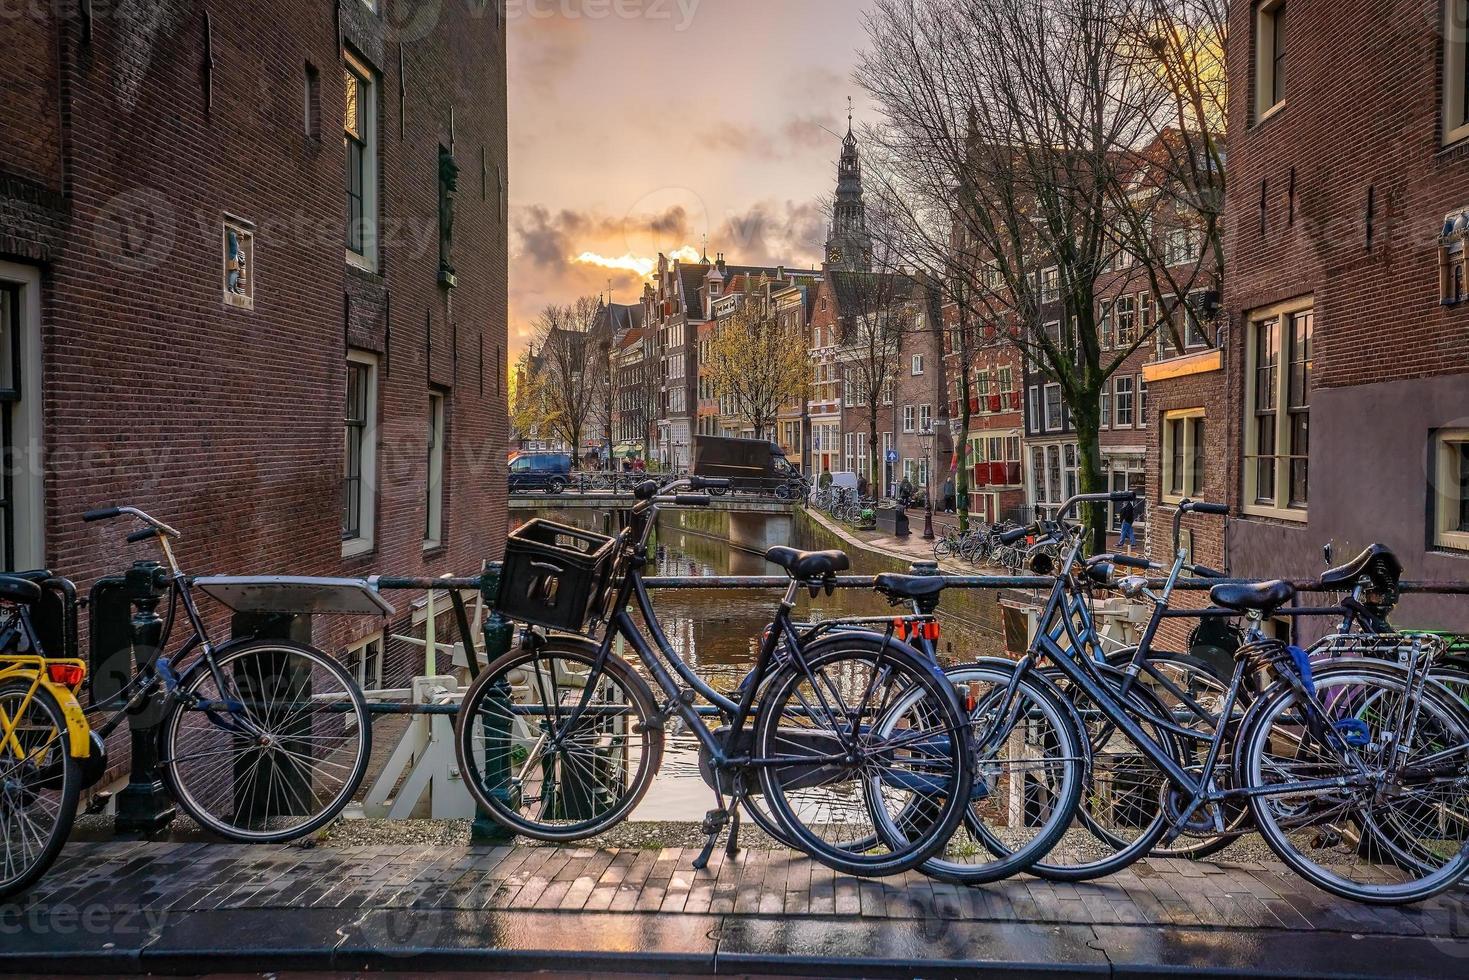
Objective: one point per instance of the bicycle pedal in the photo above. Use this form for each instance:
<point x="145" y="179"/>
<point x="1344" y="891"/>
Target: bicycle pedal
<point x="714" y="822"/>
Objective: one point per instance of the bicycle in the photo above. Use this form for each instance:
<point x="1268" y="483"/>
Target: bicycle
<point x="844" y="733"/>
<point x="44" y="742"/>
<point x="261" y="741"/>
<point x="1372" y="751"/>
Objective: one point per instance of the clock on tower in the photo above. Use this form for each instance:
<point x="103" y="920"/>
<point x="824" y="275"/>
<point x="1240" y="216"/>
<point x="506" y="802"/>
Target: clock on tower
<point x="834" y="255"/>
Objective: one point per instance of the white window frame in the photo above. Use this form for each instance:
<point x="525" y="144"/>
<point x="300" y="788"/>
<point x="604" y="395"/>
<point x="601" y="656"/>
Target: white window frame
<point x="910" y="416"/>
<point x="1140" y="401"/>
<point x="367" y="259"/>
<point x="1117" y="402"/>
<point x="1266" y="105"/>
<point x="1050" y="284"/>
<point x="1447" y="477"/>
<point x="27" y="432"/>
<point x="925" y="418"/>
<point x="356" y="661"/>
<point x="1166" y="467"/>
<point x="915" y="367"/>
<point x="433" y="525"/>
<point x="1280" y="509"/>
<point x="1033" y="403"/>
<point x="1046" y="407"/>
<point x="366" y="539"/>
<point x="1456" y="51"/>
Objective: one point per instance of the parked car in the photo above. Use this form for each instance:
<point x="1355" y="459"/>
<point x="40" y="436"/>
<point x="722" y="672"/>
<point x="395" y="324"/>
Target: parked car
<point x="750" y="465"/>
<point x="550" y="472"/>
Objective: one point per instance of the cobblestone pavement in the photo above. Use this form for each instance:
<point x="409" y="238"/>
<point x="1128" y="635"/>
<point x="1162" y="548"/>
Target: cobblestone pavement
<point x="190" y="907"/>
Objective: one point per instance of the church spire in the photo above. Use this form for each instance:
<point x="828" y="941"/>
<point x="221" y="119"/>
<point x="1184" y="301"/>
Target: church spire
<point x="848" y="245"/>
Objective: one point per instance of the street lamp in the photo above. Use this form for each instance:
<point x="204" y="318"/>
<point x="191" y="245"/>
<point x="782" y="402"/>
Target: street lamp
<point x="925" y="443"/>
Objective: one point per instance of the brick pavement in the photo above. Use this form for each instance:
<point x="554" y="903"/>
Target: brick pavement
<point x="164" y="906"/>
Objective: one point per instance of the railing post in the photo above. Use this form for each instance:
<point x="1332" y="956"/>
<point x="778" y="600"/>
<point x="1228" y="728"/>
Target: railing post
<point x="498" y="737"/>
<point x="144" y="806"/>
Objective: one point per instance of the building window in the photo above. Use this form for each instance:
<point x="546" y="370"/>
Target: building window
<point x="1124" y="316"/>
<point x="909" y="417"/>
<point x="1183" y="454"/>
<point x="1033" y="404"/>
<point x="21" y="486"/>
<point x="1053" y="407"/>
<point x="359" y="469"/>
<point x="1050" y="284"/>
<point x="925" y="418"/>
<point x="1456" y="71"/>
<point x="1142" y="402"/>
<point x="364" y="661"/>
<point x="1270" y="24"/>
<point x="360" y="138"/>
<point x="917" y="366"/>
<point x="433" y="529"/>
<point x="1181" y="246"/>
<point x="1126" y="473"/>
<point x="1277" y="422"/>
<point x="1451" y="489"/>
<point x="1122" y="387"/>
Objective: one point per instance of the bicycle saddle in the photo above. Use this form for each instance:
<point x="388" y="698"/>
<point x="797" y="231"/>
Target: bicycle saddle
<point x="1254" y="596"/>
<point x="13" y="588"/>
<point x="808" y="564"/>
<point x="1377" y="561"/>
<point x="909" y="586"/>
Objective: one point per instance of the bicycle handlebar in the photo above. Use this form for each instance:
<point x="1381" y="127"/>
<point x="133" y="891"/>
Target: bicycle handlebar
<point x="109" y="513"/>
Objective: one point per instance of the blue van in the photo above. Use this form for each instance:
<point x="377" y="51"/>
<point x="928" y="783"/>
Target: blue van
<point x="550" y="472"/>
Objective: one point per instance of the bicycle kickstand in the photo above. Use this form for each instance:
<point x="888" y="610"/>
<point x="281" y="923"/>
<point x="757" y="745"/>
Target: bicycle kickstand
<point x="714" y="822"/>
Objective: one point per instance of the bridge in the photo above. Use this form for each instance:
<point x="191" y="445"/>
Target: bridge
<point x="747" y="521"/>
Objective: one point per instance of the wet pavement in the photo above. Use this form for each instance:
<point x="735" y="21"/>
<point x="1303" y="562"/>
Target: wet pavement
<point x="130" y="907"/>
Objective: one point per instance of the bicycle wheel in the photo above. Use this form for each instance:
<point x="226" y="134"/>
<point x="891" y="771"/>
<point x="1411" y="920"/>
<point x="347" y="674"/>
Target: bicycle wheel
<point x="1193" y="696"/>
<point x="1121" y="816"/>
<point x="268" y="746"/>
<point x="539" y="767"/>
<point x="1027" y="783"/>
<point x="851" y="740"/>
<point x="1394" y="831"/>
<point x="40" y="782"/>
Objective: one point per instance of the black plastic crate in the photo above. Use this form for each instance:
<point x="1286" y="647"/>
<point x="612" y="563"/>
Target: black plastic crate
<point x="553" y="575"/>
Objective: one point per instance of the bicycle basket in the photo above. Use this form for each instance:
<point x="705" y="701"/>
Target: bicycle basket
<point x="553" y="575"/>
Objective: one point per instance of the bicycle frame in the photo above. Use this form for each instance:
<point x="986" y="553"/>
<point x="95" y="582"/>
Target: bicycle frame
<point x="32" y="669"/>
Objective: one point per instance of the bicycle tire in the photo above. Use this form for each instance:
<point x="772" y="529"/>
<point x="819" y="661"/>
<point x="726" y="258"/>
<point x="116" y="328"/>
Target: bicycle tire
<point x="928" y="701"/>
<point x="28" y="786"/>
<point x="1269" y="813"/>
<point x="560" y="819"/>
<point x="1069" y="752"/>
<point x="279" y="760"/>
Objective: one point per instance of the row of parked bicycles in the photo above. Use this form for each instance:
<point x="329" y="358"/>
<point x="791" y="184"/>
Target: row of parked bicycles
<point x="845" y="504"/>
<point x="848" y="740"/>
<point x="996" y="546"/>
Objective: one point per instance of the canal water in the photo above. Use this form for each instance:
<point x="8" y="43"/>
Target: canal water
<point x="714" y="631"/>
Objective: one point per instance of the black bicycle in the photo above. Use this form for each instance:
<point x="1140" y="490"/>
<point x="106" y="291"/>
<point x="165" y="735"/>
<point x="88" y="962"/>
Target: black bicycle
<point x="858" y="745"/>
<point x="261" y="741"/>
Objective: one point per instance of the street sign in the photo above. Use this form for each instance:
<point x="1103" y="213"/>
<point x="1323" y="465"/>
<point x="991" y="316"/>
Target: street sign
<point x="892" y="455"/>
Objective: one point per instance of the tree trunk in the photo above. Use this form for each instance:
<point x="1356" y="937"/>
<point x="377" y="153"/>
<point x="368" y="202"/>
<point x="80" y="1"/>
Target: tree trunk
<point x="874" y="468"/>
<point x="961" y="447"/>
<point x="1087" y="415"/>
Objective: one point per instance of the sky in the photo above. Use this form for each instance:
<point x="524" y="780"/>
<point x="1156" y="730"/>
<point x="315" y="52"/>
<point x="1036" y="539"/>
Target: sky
<point x="641" y="126"/>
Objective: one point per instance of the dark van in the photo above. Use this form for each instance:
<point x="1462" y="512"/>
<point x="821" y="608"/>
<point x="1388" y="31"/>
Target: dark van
<point x="751" y="465"/>
<point x="550" y="472"/>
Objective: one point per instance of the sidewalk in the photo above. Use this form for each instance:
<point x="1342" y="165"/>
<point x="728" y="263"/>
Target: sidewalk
<point x="132" y="907"/>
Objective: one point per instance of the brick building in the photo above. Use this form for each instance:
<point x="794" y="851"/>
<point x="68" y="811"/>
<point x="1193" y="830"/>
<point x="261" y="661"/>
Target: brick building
<point x="1347" y="362"/>
<point x="206" y="270"/>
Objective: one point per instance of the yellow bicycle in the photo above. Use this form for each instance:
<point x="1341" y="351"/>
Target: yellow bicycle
<point x="44" y="736"/>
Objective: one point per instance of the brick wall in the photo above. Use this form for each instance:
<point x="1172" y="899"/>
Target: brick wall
<point x="226" y="422"/>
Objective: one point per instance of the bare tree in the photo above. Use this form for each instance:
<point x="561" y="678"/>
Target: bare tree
<point x="1029" y="115"/>
<point x="758" y="364"/>
<point x="568" y="368"/>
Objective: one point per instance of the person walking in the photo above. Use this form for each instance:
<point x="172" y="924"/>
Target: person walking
<point x="1129" y="536"/>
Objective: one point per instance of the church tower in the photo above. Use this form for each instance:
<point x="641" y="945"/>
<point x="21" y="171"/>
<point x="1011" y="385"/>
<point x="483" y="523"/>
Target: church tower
<point x="848" y="245"/>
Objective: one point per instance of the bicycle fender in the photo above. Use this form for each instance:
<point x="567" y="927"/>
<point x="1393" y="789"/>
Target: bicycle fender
<point x="78" y="732"/>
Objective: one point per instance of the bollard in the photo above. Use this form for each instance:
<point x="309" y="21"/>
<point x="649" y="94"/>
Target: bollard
<point x="144" y="807"/>
<point x="499" y="634"/>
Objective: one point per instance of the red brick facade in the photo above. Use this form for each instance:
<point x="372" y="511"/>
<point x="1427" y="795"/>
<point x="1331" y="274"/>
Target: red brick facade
<point x="120" y="157"/>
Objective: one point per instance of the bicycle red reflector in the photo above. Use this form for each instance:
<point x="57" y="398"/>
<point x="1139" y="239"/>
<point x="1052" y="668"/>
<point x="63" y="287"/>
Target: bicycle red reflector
<point x="67" y="675"/>
<point x="931" y="630"/>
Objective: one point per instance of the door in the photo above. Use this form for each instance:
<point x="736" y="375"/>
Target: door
<point x="21" y="477"/>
